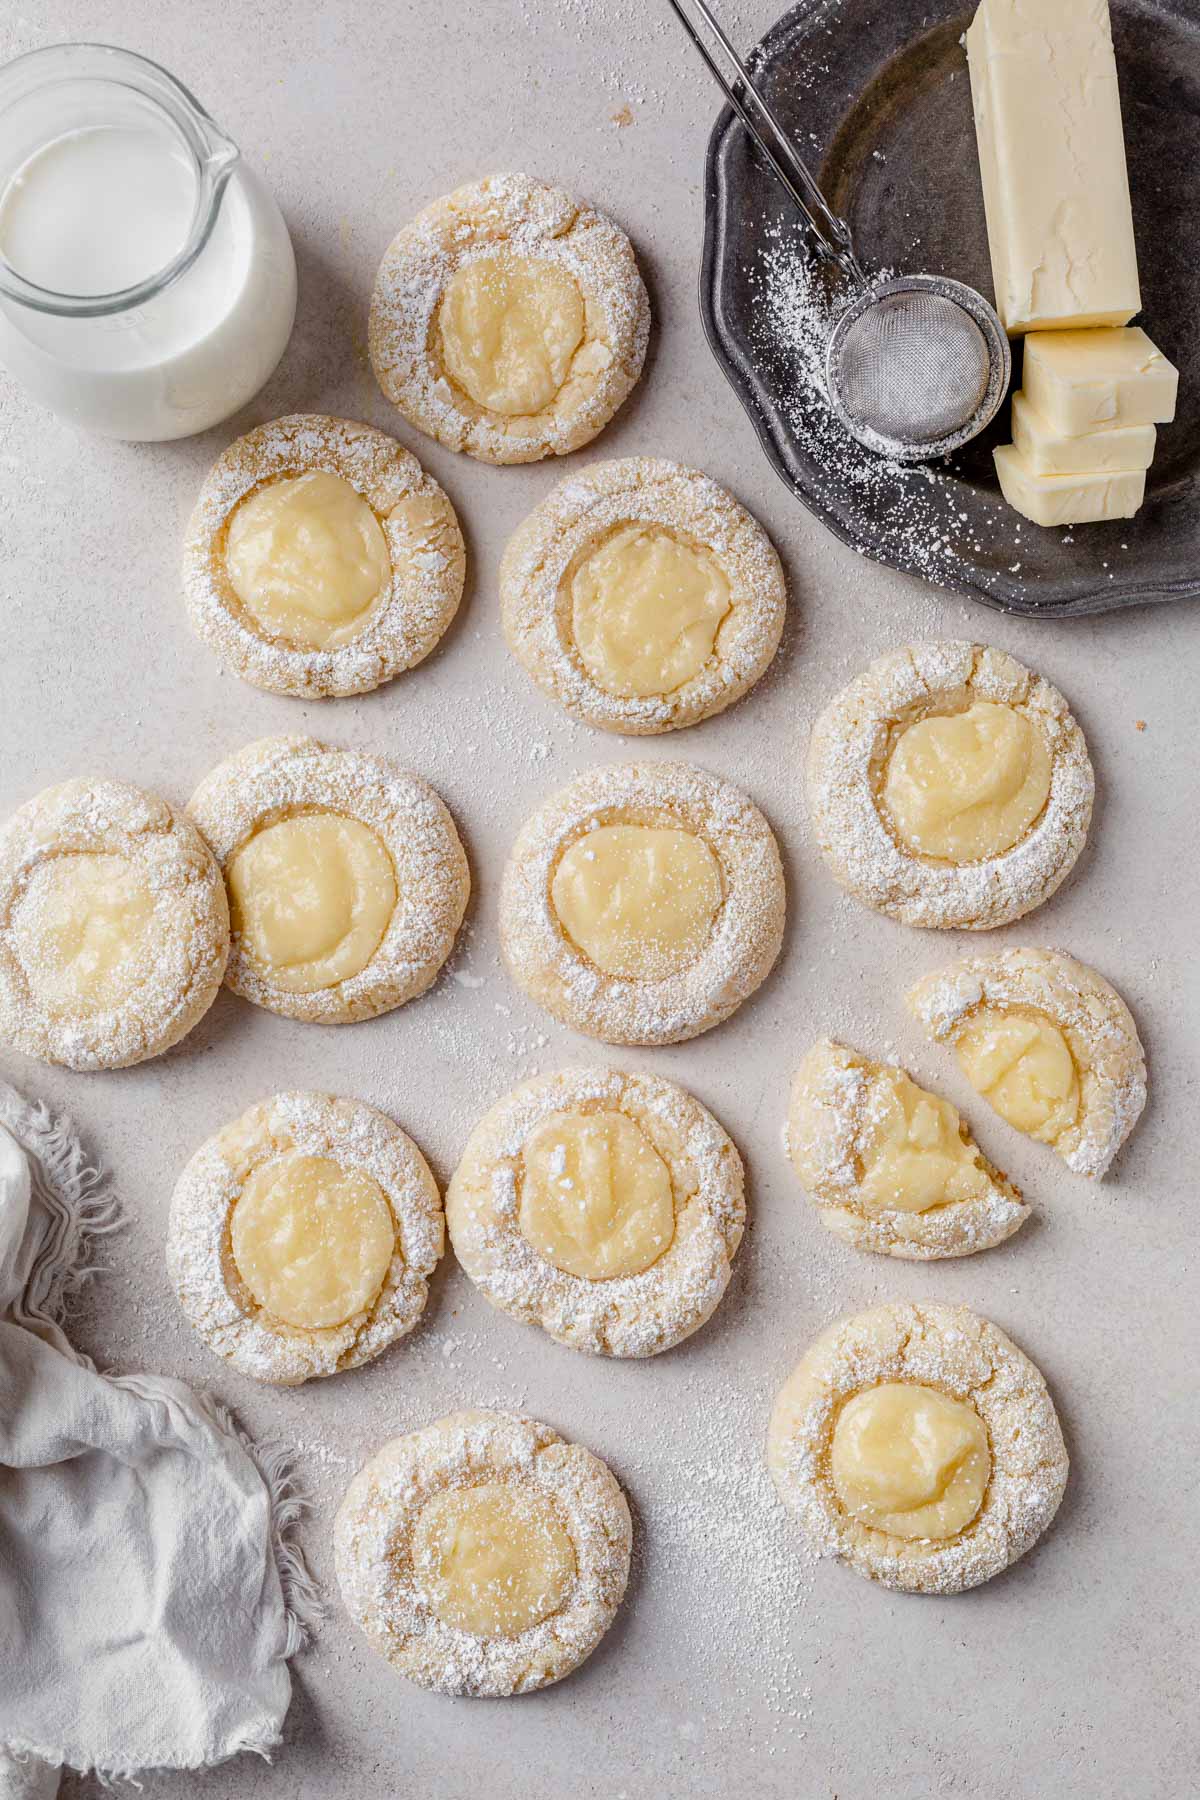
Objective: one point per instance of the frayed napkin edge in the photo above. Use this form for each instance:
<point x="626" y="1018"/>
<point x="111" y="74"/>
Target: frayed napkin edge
<point x="80" y="1199"/>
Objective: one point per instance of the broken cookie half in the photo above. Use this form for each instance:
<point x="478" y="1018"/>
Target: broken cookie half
<point x="1047" y="1042"/>
<point x="890" y="1167"/>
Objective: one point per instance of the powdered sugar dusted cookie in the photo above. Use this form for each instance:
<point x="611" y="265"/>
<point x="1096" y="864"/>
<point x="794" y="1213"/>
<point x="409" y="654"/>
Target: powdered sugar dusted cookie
<point x="1048" y="1042"/>
<point x="483" y="1555"/>
<point x="641" y="596"/>
<point x="919" y="1445"/>
<point x="643" y="903"/>
<point x="891" y="1167"/>
<point x="321" y="559"/>
<point x="302" y="1237"/>
<point x="347" y="881"/>
<point x="950" y="787"/>
<point x="114" y="928"/>
<point x="508" y="320"/>
<point x="605" y="1207"/>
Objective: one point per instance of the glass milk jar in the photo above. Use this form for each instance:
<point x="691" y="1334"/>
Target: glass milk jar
<point x="147" y="282"/>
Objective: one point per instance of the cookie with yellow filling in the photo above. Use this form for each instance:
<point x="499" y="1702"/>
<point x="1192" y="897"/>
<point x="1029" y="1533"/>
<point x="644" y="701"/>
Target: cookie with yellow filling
<point x="302" y="1237"/>
<point x="321" y="559"/>
<point x="114" y="929"/>
<point x="1047" y="1042"/>
<point x="508" y="320"/>
<point x="919" y="1445"/>
<point x="347" y="881"/>
<point x="605" y="1207"/>
<point x="949" y="787"/>
<point x="641" y="596"/>
<point x="483" y="1555"/>
<point x="891" y="1167"/>
<point x="643" y="903"/>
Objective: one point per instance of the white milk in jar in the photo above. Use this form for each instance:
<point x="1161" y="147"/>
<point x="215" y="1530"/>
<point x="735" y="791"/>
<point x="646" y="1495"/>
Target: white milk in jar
<point x="147" y="282"/>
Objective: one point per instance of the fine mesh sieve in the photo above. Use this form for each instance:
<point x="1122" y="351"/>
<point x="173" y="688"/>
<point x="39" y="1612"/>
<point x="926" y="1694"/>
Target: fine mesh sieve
<point x="916" y="364"/>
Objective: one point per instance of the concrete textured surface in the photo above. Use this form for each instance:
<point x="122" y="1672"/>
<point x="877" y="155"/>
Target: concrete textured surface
<point x="733" y="1669"/>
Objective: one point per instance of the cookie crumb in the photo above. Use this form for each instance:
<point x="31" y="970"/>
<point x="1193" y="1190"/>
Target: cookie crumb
<point x="623" y="116"/>
<point x="1139" y="724"/>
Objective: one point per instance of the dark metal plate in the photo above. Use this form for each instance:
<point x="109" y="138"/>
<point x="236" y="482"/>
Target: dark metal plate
<point x="876" y="95"/>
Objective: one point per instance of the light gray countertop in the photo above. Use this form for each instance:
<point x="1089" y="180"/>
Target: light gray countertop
<point x="732" y="1670"/>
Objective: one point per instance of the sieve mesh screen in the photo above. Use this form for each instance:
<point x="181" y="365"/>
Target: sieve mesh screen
<point x="913" y="367"/>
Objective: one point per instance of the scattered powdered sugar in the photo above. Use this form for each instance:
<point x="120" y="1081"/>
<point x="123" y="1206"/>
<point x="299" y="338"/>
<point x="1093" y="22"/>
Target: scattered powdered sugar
<point x="910" y="507"/>
<point x="716" y="1527"/>
<point x="324" y="1454"/>
<point x="631" y="38"/>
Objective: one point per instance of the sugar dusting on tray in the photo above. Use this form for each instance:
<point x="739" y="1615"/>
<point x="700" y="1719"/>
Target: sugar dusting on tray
<point x="792" y="326"/>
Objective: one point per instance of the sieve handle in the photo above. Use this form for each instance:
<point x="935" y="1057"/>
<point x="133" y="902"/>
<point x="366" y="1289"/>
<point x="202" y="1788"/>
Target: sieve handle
<point x="833" y="235"/>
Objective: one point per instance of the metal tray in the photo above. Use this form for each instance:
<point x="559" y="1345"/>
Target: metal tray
<point x="876" y="94"/>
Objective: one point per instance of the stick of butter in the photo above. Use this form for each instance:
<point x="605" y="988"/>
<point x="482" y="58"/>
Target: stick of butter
<point x="1048" y="452"/>
<point x="1052" y="157"/>
<point x="1082" y="381"/>
<point x="1081" y="499"/>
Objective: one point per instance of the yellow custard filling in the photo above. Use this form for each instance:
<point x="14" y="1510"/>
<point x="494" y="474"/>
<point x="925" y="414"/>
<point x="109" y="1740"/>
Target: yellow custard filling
<point x="595" y="1196"/>
<point x="638" y="900"/>
<point x="912" y="1151"/>
<point x="311" y="1240"/>
<point x="909" y="1460"/>
<point x="308" y="560"/>
<point x="493" y="1560"/>
<point x="83" y="931"/>
<point x="966" y="786"/>
<point x="311" y="897"/>
<point x="645" y="610"/>
<point x="1022" y="1063"/>
<point x="507" y="329"/>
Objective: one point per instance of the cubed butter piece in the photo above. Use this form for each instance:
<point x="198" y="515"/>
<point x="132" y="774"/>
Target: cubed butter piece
<point x="1083" y="381"/>
<point x="1048" y="452"/>
<point x="1052" y="158"/>
<point x="1068" y="499"/>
